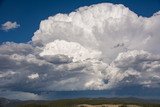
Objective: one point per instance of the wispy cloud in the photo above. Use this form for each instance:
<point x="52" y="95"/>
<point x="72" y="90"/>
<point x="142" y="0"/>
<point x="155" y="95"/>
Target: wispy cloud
<point x="9" y="25"/>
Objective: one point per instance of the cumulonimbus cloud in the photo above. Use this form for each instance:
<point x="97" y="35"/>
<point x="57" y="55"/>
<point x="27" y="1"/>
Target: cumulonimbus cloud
<point x="98" y="47"/>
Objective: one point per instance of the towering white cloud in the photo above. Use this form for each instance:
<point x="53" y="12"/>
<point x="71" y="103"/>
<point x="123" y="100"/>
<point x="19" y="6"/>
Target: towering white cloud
<point x="103" y="27"/>
<point x="99" y="47"/>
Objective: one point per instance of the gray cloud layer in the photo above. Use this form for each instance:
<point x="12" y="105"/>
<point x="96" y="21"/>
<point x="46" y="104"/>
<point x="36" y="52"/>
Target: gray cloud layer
<point x="99" y="47"/>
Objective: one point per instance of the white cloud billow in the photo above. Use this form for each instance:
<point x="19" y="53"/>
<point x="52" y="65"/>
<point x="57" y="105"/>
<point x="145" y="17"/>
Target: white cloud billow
<point x="99" y="47"/>
<point x="33" y="76"/>
<point x="9" y="25"/>
<point x="71" y="49"/>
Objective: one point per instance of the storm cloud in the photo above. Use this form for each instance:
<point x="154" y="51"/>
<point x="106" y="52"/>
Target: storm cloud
<point x="98" y="47"/>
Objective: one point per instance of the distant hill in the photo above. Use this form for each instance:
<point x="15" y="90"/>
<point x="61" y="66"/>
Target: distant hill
<point x="74" y="102"/>
<point x="8" y="103"/>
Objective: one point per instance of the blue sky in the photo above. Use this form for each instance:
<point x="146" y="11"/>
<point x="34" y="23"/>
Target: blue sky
<point x="29" y="13"/>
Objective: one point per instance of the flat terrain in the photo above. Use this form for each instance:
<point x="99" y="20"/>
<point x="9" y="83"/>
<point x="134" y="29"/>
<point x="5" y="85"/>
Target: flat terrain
<point x="107" y="105"/>
<point x="83" y="102"/>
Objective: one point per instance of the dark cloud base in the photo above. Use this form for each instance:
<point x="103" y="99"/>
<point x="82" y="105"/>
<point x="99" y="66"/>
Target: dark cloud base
<point x="130" y="91"/>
